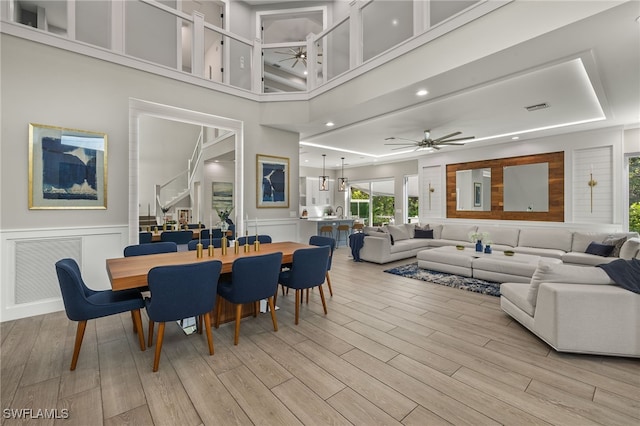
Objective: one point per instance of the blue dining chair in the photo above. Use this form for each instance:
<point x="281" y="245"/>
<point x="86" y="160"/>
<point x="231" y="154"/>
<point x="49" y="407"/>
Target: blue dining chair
<point x="317" y="240"/>
<point x="178" y="292"/>
<point x="192" y="245"/>
<point x="145" y="237"/>
<point x="82" y="303"/>
<point x="264" y="239"/>
<point x="252" y="279"/>
<point x="178" y="237"/>
<point x="308" y="270"/>
<point x="150" y="248"/>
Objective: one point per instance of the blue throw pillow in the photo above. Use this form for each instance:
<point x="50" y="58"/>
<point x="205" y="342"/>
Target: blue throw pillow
<point x="599" y="249"/>
<point x="420" y="233"/>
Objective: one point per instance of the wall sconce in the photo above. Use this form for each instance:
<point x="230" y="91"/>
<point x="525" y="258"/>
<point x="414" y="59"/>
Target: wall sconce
<point x="431" y="191"/>
<point x="324" y="179"/>
<point x="591" y="184"/>
<point x="342" y="181"/>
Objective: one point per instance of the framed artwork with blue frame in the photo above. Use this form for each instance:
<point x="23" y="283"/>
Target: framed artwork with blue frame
<point x="272" y="181"/>
<point x="67" y="168"/>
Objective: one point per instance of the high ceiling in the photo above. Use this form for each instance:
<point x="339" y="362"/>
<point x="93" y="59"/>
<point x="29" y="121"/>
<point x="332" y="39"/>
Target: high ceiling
<point x="588" y="73"/>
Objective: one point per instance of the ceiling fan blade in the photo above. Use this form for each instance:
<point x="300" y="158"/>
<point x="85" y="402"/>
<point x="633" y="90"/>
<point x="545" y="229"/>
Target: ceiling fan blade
<point x="459" y="139"/>
<point x="446" y="137"/>
<point x="295" y="63"/>
<point x="400" y="147"/>
<point x="450" y="143"/>
<point x="285" y="59"/>
<point x="404" y="139"/>
<point x="401" y="144"/>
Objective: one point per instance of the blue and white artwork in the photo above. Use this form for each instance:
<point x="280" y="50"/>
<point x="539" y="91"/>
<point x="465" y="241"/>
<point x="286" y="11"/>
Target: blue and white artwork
<point x="273" y="181"/>
<point x="67" y="168"/>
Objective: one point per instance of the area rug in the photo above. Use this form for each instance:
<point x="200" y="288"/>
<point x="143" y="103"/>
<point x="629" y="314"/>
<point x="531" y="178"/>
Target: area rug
<point x="470" y="284"/>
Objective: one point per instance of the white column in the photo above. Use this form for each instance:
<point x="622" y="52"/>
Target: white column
<point x="71" y="19"/>
<point x="117" y="26"/>
<point x="197" y="45"/>
<point x="257" y="66"/>
<point x="355" y="34"/>
<point x="312" y="61"/>
<point x="421" y="16"/>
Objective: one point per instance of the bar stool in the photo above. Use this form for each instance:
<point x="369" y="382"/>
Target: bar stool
<point x="358" y="227"/>
<point x="326" y="230"/>
<point x="343" y="229"/>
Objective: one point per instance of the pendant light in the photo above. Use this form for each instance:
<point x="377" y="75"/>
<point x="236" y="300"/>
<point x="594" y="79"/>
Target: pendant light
<point x="342" y="181"/>
<point x="324" y="179"/>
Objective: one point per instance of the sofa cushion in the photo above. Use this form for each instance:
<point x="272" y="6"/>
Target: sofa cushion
<point x="581" y="240"/>
<point x="457" y="232"/>
<point x="501" y="235"/>
<point x="559" y="239"/>
<point x="630" y="248"/>
<point x="398" y="232"/>
<point x="517" y="294"/>
<point x="380" y="234"/>
<point x="561" y="273"/>
<point x="599" y="249"/>
<point x="616" y="242"/>
<point x="585" y="259"/>
<point x="544" y="252"/>
<point x="409" y="228"/>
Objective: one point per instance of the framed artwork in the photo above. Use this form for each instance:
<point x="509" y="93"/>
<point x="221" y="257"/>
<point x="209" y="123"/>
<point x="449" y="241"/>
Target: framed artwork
<point x="221" y="196"/>
<point x="477" y="194"/>
<point x="273" y="181"/>
<point x="67" y="168"/>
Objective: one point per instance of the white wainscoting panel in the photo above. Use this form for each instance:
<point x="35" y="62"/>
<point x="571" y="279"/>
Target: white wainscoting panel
<point x="28" y="276"/>
<point x="278" y="229"/>
<point x="599" y="161"/>
<point x="432" y="177"/>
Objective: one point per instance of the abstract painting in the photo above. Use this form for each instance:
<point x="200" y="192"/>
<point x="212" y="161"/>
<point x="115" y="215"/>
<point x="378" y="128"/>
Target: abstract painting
<point x="67" y="168"/>
<point x="273" y="181"/>
<point x="221" y="196"/>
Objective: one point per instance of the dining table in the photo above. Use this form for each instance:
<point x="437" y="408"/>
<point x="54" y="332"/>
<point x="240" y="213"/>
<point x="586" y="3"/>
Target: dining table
<point x="131" y="272"/>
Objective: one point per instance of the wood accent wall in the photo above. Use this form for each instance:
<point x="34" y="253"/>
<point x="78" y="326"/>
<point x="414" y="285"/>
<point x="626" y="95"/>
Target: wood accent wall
<point x="556" y="188"/>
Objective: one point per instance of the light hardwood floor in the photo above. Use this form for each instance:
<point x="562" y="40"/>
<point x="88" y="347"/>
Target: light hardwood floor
<point x="391" y="350"/>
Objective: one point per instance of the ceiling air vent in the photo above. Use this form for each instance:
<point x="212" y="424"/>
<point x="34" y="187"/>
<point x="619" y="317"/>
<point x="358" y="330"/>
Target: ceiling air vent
<point x="537" y="107"/>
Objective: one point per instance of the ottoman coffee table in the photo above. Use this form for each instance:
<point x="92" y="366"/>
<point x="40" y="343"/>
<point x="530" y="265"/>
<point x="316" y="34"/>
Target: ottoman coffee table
<point x="495" y="266"/>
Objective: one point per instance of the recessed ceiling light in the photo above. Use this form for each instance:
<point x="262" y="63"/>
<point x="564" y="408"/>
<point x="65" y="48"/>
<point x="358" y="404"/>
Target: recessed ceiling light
<point x="422" y="92"/>
<point x="305" y="72"/>
<point x="394" y="22"/>
<point x="306" y="161"/>
<point x="515" y="138"/>
<point x="329" y="124"/>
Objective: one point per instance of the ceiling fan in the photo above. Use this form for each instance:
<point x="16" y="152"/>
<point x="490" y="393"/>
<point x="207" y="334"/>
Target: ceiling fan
<point x="298" y="54"/>
<point x="427" y="142"/>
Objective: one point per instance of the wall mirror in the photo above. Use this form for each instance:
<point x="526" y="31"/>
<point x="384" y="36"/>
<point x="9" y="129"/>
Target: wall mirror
<point x="473" y="189"/>
<point x="526" y="188"/>
<point x="529" y="187"/>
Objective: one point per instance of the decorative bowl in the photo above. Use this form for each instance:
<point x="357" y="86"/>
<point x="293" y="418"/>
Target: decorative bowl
<point x="460" y="247"/>
<point x="509" y="252"/>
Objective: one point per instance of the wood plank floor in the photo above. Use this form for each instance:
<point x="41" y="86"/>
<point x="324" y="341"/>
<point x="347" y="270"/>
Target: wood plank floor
<point x="391" y="351"/>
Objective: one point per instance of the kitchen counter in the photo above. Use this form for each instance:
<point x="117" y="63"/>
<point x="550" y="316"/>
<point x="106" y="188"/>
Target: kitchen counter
<point x="313" y="225"/>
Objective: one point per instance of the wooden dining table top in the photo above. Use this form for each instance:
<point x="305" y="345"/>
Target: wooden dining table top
<point x="131" y="272"/>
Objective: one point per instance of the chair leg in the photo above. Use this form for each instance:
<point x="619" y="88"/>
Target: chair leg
<point x="207" y="325"/>
<point x="297" y="305"/>
<point x="329" y="284"/>
<point x="218" y="310"/>
<point x="133" y="322"/>
<point x="150" y="342"/>
<point x="199" y="324"/>
<point x="307" y="296"/>
<point x="82" y="325"/>
<point x="137" y="321"/>
<point x="156" y="359"/>
<point x="324" y="304"/>
<point x="272" y="309"/>
<point x="236" y="336"/>
<point x="256" y="308"/>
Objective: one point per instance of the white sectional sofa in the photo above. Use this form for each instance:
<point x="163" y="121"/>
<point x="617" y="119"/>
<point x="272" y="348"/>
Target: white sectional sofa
<point x="398" y="242"/>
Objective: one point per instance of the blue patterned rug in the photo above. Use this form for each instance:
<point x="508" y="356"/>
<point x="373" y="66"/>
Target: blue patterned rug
<point x="470" y="284"/>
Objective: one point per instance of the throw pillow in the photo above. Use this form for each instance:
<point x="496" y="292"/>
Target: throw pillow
<point x="630" y="248"/>
<point x="567" y="274"/>
<point x="423" y="227"/>
<point x="598" y="249"/>
<point x="421" y="233"/>
<point x="380" y="235"/>
<point x="398" y="232"/>
<point x="617" y="243"/>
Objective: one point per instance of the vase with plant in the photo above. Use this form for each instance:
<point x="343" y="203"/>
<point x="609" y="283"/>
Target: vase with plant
<point x="478" y="238"/>
<point x="224" y="218"/>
